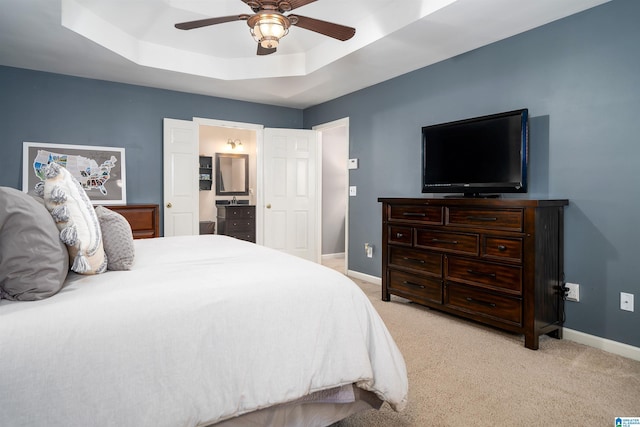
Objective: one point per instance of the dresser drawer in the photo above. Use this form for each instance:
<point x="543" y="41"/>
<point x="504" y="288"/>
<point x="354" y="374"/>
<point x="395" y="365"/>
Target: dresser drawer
<point x="502" y="248"/>
<point x="474" y="301"/>
<point x="231" y="212"/>
<point x="460" y="243"/>
<point x="249" y="236"/>
<point x="417" y="213"/>
<point x="429" y="263"/>
<point x="495" y="219"/>
<point x="415" y="287"/>
<point x="239" y="225"/>
<point x="497" y="276"/>
<point x="400" y="235"/>
<point x="143" y="219"/>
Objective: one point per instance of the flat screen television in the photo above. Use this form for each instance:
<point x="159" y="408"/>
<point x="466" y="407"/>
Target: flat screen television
<point x="478" y="157"/>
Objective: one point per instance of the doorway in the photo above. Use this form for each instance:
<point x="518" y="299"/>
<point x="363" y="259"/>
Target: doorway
<point x="215" y="140"/>
<point x="334" y="137"/>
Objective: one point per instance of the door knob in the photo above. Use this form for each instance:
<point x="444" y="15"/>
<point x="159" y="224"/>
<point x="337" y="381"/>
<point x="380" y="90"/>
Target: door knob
<point x="268" y="205"/>
<point x="169" y="205"/>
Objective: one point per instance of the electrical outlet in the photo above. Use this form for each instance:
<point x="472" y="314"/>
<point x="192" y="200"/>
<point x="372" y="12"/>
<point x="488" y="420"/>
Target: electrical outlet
<point x="626" y="301"/>
<point x="573" y="294"/>
<point x="368" y="250"/>
<point x="353" y="190"/>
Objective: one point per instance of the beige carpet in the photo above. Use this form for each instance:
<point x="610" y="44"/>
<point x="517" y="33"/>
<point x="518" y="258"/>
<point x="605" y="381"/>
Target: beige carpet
<point x="465" y="374"/>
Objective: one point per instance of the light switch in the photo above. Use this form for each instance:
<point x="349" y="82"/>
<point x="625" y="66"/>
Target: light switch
<point x="352" y="190"/>
<point x="353" y="164"/>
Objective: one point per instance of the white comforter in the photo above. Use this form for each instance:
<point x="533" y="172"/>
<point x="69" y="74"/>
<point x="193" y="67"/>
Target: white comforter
<point x="202" y="329"/>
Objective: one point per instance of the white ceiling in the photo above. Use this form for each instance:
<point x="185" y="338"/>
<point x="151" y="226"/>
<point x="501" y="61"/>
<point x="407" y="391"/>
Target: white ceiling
<point x="134" y="41"/>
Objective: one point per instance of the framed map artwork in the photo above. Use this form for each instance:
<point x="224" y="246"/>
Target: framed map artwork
<point x="100" y="170"/>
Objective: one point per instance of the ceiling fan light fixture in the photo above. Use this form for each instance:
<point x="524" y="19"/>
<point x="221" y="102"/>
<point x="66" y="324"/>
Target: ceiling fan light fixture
<point x="267" y="28"/>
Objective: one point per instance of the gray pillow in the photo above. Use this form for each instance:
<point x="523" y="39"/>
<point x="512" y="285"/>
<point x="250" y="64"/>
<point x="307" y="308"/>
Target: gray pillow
<point x="117" y="239"/>
<point x="33" y="261"/>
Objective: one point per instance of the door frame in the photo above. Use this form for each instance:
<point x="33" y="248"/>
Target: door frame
<point x="344" y="122"/>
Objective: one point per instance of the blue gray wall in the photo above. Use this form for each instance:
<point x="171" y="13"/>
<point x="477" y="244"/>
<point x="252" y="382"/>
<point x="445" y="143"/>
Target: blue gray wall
<point x="579" y="78"/>
<point x="44" y="107"/>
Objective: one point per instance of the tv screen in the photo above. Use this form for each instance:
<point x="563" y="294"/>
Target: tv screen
<point x="477" y="156"/>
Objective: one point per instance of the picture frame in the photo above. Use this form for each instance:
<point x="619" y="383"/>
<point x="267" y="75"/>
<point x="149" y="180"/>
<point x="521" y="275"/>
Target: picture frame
<point x="100" y="170"/>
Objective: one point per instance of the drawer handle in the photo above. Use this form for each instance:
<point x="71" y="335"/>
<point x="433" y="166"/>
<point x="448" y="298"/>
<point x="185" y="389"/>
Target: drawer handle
<point x="480" y="273"/>
<point x="413" y="260"/>
<point x="449" y="242"/>
<point x="479" y="302"/>
<point x="482" y="218"/>
<point x="399" y="235"/>
<point x="413" y="284"/>
<point x="502" y="248"/>
<point x="414" y="214"/>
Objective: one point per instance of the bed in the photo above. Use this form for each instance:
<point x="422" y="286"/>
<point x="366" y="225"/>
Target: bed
<point x="201" y="330"/>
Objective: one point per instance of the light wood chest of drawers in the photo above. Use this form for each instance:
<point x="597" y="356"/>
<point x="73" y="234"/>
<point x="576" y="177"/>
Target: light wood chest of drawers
<point x="496" y="261"/>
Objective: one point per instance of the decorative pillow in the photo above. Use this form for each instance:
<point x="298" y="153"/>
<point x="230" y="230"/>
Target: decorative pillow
<point x="117" y="239"/>
<point x="76" y="219"/>
<point x="33" y="261"/>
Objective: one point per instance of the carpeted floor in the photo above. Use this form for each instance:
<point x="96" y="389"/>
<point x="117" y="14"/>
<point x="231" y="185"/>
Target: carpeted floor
<point x="463" y="373"/>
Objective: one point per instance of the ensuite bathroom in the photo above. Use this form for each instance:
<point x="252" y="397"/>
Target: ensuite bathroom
<point x="227" y="171"/>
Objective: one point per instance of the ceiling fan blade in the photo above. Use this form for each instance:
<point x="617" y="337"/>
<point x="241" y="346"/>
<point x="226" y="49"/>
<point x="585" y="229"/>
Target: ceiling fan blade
<point x="265" y="51"/>
<point x="210" y="21"/>
<point x="330" y="29"/>
<point x="298" y="3"/>
<point x="280" y="5"/>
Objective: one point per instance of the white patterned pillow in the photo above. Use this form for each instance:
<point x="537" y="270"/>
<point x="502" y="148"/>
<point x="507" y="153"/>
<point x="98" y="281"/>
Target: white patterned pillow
<point x="76" y="219"/>
<point x="117" y="239"/>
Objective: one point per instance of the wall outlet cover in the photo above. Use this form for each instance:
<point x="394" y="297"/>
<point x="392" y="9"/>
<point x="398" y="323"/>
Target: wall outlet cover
<point x="574" y="292"/>
<point x="626" y="301"/>
<point x="353" y="164"/>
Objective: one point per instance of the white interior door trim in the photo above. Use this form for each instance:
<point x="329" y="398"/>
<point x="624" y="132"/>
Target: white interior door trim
<point x="226" y="123"/>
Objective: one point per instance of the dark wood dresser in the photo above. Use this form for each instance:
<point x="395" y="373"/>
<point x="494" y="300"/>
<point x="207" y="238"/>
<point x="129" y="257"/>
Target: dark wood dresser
<point x="496" y="261"/>
<point x="142" y="218"/>
<point x="237" y="221"/>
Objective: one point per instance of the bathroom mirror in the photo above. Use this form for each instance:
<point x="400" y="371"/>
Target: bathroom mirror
<point x="232" y="174"/>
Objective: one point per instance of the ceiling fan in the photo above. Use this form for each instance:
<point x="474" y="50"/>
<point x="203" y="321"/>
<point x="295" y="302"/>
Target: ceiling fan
<point x="268" y="24"/>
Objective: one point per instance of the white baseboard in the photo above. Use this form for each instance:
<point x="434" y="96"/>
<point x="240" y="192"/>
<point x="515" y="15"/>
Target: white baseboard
<point x="333" y="256"/>
<point x="607" y="345"/>
<point x="367" y="278"/>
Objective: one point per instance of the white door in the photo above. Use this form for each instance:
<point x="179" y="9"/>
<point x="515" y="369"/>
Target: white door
<point x="291" y="192"/>
<point x="180" y="160"/>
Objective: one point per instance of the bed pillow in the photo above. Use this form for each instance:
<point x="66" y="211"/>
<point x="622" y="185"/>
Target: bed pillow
<point x="33" y="261"/>
<point x="76" y="219"/>
<point x="117" y="239"/>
